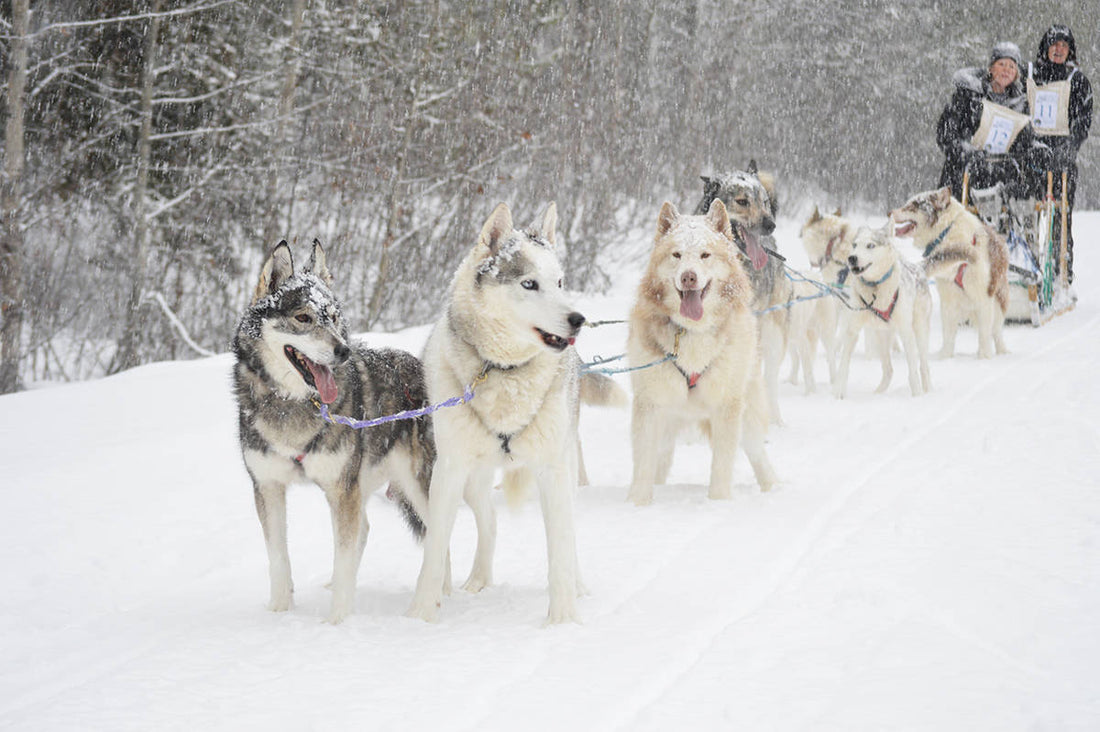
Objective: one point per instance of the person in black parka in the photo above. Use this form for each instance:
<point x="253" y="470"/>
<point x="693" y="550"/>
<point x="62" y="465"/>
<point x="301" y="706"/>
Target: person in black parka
<point x="1000" y="83"/>
<point x="1056" y="61"/>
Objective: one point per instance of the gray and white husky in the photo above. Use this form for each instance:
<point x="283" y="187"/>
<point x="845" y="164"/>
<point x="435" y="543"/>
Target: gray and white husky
<point x="508" y="329"/>
<point x="751" y="203"/>
<point x="293" y="353"/>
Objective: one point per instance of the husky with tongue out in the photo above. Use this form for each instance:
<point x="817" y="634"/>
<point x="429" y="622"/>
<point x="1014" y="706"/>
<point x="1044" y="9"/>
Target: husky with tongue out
<point x="293" y="353"/>
<point x="693" y="348"/>
<point x="750" y="199"/>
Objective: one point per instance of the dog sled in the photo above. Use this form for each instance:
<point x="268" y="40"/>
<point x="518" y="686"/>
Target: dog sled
<point x="1036" y="233"/>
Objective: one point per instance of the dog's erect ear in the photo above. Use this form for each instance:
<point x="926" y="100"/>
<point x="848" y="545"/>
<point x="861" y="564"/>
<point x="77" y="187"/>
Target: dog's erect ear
<point x="752" y="166"/>
<point x="837" y="214"/>
<point x="942" y="197"/>
<point x="814" y="217"/>
<point x="549" y="227"/>
<point x="317" y="263"/>
<point x="718" y="217"/>
<point x="667" y="218"/>
<point x="497" y="228"/>
<point x="276" y="270"/>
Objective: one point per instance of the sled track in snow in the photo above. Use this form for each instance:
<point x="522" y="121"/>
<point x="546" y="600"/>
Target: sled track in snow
<point x="785" y="566"/>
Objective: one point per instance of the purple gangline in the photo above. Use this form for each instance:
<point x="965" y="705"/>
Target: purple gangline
<point x="467" y="395"/>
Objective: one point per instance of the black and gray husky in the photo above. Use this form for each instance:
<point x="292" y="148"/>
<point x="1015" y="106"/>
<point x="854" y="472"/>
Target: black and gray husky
<point x="293" y="355"/>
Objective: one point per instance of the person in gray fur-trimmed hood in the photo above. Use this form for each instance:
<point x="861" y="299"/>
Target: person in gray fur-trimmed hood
<point x="1065" y="125"/>
<point x="968" y="129"/>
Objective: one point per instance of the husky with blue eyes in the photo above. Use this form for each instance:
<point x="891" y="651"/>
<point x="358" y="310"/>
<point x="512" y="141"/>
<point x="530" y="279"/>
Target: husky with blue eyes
<point x="891" y="299"/>
<point x="507" y="334"/>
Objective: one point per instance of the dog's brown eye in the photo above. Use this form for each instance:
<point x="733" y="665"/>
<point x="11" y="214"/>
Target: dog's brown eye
<point x="676" y="255"/>
<point x="303" y="318"/>
<point x="742" y="201"/>
<point x="704" y="255"/>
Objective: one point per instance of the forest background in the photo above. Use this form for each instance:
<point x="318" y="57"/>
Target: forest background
<point x="154" y="151"/>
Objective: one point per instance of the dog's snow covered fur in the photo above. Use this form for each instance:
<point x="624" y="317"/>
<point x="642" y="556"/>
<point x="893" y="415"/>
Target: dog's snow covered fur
<point x="891" y="297"/>
<point x="969" y="261"/>
<point x="751" y="202"/>
<point x="508" y="329"/>
<point x="292" y="350"/>
<point x="695" y="304"/>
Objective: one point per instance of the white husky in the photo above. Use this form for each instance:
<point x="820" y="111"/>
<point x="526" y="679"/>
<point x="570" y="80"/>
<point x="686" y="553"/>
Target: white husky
<point x="893" y="298"/>
<point x="508" y="331"/>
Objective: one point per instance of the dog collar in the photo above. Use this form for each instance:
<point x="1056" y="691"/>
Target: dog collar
<point x="937" y="241"/>
<point x="879" y="281"/>
<point x="959" y="275"/>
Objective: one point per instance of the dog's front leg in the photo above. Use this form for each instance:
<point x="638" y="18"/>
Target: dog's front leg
<point x="912" y="358"/>
<point x="847" y="346"/>
<point x="448" y="479"/>
<point x="271" y="508"/>
<point x="725" y="439"/>
<point x="556" y="488"/>
<point x="477" y="497"/>
<point x="349" y="529"/>
<point x="645" y="431"/>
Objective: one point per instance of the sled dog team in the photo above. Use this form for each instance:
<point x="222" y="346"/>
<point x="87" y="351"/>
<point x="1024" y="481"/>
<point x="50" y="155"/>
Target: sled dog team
<point x="500" y="385"/>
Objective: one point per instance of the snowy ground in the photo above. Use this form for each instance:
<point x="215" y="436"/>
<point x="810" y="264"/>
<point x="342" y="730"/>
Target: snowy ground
<point x="926" y="564"/>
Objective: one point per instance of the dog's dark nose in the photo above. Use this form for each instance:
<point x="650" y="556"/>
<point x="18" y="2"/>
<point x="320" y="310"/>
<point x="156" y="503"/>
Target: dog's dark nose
<point x="768" y="224"/>
<point x="688" y="280"/>
<point x="852" y="261"/>
<point x="576" y="320"/>
<point x="341" y="352"/>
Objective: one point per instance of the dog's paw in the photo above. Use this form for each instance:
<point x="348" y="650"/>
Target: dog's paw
<point x="565" y="612"/>
<point x="640" y="496"/>
<point x="719" y="493"/>
<point x="279" y="605"/>
<point x="477" y="583"/>
<point x="428" y="612"/>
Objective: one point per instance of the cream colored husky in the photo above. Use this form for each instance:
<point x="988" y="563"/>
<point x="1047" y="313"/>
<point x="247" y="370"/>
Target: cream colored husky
<point x="693" y="329"/>
<point x="969" y="261"/>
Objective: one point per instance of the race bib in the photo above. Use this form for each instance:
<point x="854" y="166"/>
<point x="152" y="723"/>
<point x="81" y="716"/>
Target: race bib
<point x="1049" y="106"/>
<point x="998" y="128"/>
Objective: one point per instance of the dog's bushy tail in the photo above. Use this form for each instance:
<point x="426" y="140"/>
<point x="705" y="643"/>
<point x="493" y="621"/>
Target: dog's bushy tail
<point x="598" y="390"/>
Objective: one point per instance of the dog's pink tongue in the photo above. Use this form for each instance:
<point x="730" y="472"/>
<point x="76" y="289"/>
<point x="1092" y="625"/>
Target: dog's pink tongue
<point x="326" y="384"/>
<point x="756" y="252"/>
<point x="691" y="304"/>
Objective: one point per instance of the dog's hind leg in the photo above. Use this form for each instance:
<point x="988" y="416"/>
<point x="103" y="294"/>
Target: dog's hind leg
<point x="984" y="311"/>
<point x="949" y="319"/>
<point x="350" y="529"/>
<point x="271" y="508"/>
<point x="556" y="493"/>
<point x="477" y="497"/>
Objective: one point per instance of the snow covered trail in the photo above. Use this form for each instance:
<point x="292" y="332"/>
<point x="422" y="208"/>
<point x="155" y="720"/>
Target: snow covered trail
<point x="925" y="563"/>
